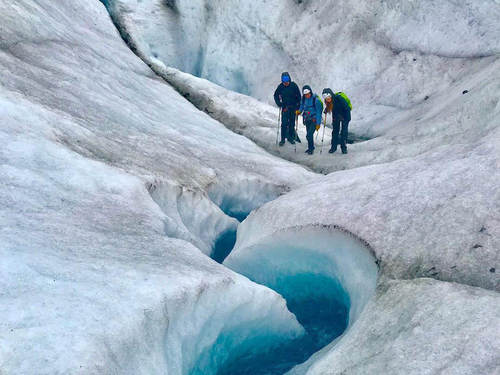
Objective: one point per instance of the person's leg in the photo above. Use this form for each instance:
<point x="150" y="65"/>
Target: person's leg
<point x="290" y="118"/>
<point x="291" y="127"/>
<point x="284" y="127"/>
<point x="343" y="136"/>
<point x="295" y="128"/>
<point x="311" y="127"/>
<point x="335" y="134"/>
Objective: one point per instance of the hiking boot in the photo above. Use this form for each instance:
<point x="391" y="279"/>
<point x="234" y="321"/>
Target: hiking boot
<point x="310" y="152"/>
<point x="282" y="143"/>
<point x="344" y="150"/>
<point x="332" y="150"/>
<point x="291" y="141"/>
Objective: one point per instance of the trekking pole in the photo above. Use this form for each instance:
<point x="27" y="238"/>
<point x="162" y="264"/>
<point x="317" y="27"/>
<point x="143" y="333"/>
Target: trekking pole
<point x="279" y="125"/>
<point x="317" y="133"/>
<point x="323" y="137"/>
<point x="295" y="136"/>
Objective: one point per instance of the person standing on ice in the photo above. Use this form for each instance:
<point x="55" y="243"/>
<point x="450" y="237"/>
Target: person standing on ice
<point x="340" y="109"/>
<point x="311" y="109"/>
<point x="287" y="97"/>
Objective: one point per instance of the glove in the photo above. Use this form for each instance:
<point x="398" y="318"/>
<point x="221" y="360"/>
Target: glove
<point x="317" y="127"/>
<point x="297" y="112"/>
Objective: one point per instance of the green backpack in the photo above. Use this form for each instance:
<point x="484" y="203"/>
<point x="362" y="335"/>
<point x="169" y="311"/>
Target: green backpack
<point x="320" y="101"/>
<point x="344" y="96"/>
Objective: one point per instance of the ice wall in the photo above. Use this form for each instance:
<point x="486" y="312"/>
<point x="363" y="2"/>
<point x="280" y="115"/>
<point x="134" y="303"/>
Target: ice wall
<point x="420" y="74"/>
<point x="326" y="275"/>
<point x="311" y="250"/>
<point x="389" y="54"/>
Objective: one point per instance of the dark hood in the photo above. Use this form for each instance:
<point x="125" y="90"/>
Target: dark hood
<point x="329" y="91"/>
<point x="307" y="87"/>
<point x="286" y="74"/>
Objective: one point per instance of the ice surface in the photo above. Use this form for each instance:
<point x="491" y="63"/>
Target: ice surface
<point x="434" y="215"/>
<point x="447" y="118"/>
<point x="354" y="45"/>
<point x="326" y="275"/>
<point x="404" y="65"/>
<point x="433" y="162"/>
<point x="102" y="167"/>
<point x="417" y="327"/>
<point x="321" y="251"/>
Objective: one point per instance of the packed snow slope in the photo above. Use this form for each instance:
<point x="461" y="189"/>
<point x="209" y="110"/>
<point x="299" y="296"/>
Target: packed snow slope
<point x="110" y="183"/>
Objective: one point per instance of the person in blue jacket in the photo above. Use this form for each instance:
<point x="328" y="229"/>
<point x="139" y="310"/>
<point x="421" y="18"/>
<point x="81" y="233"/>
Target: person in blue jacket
<point x="287" y="97"/>
<point x="311" y="109"/>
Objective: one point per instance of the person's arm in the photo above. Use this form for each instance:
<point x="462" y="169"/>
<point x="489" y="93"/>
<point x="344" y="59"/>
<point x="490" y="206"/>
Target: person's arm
<point x="301" y="105"/>
<point x="277" y="96"/>
<point x="298" y="97"/>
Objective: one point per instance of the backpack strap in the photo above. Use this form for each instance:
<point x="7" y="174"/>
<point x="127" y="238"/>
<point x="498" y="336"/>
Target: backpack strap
<point x="314" y="100"/>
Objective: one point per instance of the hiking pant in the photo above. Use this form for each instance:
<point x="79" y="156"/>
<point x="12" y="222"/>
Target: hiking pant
<point x="342" y="138"/>
<point x="311" y="128"/>
<point x="287" y="124"/>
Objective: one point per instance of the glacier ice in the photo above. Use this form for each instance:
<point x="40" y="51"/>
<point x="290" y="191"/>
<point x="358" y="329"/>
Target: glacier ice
<point x="366" y="48"/>
<point x="419" y="326"/>
<point x="310" y="251"/>
<point x="325" y="274"/>
<point x="103" y="166"/>
<point x="406" y="86"/>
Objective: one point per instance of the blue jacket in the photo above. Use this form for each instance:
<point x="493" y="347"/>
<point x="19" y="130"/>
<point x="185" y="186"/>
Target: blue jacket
<point x="311" y="108"/>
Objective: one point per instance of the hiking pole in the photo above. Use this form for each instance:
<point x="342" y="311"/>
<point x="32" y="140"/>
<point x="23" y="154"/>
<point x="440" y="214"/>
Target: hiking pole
<point x="323" y="137"/>
<point x="317" y="133"/>
<point x="295" y="136"/>
<point x="279" y="125"/>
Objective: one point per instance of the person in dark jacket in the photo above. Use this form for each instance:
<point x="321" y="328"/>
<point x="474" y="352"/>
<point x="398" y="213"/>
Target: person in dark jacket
<point x="341" y="114"/>
<point x="311" y="109"/>
<point x="287" y="97"/>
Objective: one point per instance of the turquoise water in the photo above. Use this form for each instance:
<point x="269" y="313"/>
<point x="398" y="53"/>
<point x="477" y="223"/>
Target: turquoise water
<point x="321" y="306"/>
<point x="223" y="245"/>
